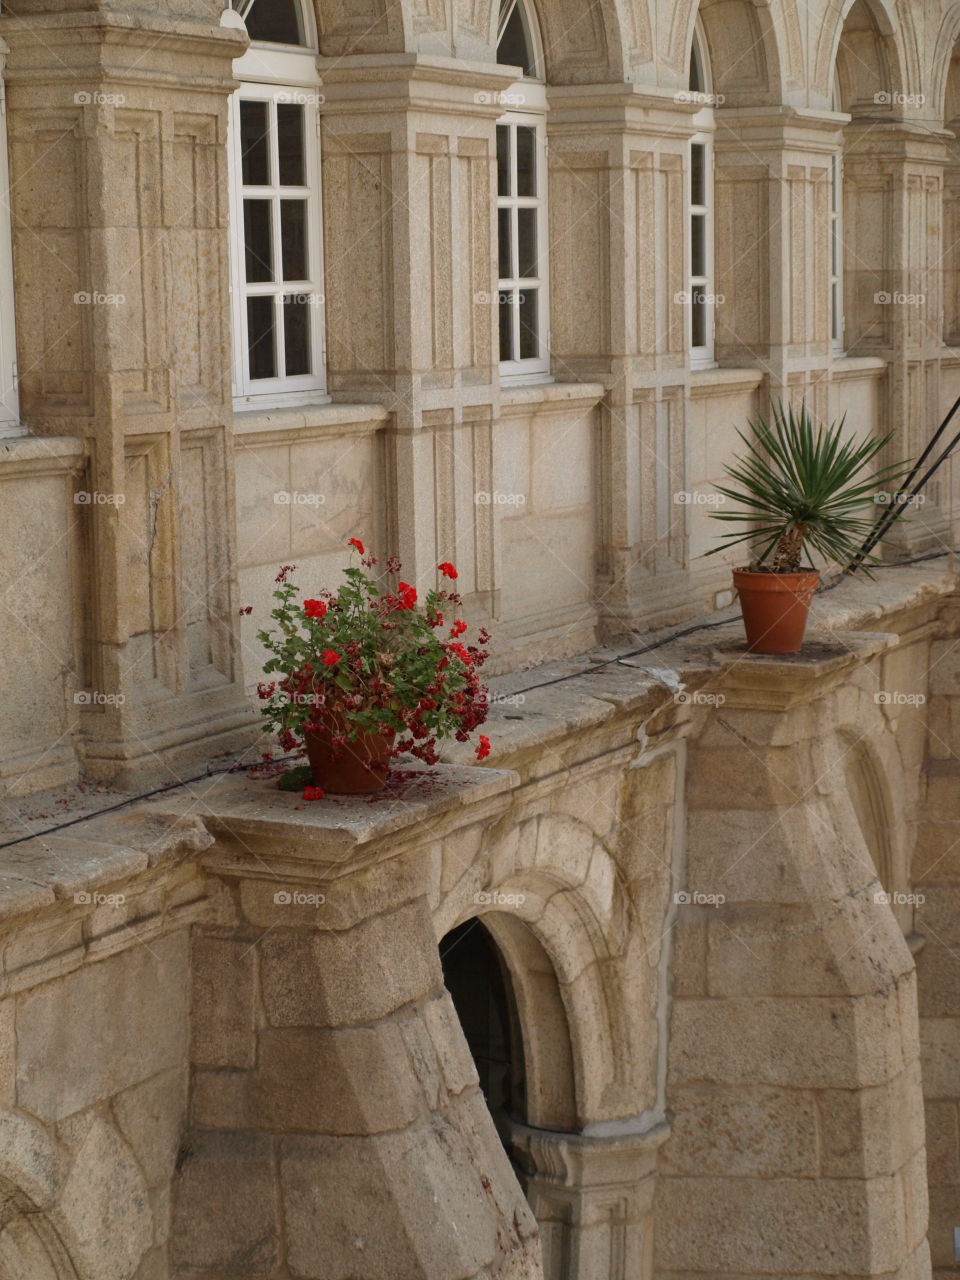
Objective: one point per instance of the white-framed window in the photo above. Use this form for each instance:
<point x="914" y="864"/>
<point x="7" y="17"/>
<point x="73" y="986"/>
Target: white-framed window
<point x="700" y="299"/>
<point x="9" y="399"/>
<point x="275" y="210"/>
<point x="522" y="228"/>
<point x="836" y="240"/>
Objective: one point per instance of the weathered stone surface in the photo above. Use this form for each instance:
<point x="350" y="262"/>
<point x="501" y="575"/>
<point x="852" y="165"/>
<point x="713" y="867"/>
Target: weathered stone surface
<point x="804" y="1043"/>
<point x="106" y="1203"/>
<point x="226" y="1214"/>
<point x="223" y="1010"/>
<point x="102" y="1028"/>
<point x="151" y="1116"/>
<point x="817" y="1227"/>
<point x="742" y="1132"/>
<point x="349" y="1081"/>
<point x="409" y="1204"/>
<point x="359" y="975"/>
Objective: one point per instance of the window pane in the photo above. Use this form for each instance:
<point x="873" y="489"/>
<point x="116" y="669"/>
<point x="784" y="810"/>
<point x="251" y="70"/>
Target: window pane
<point x="527" y="241"/>
<point x="505" y="242"/>
<point x="275" y="21"/>
<point x="261" y="338"/>
<point x="506" y="326"/>
<point x="254" y="146"/>
<point x="296" y="333"/>
<point x="503" y="160"/>
<point x="293" y="239"/>
<point x="699" y="306"/>
<point x="698" y="174"/>
<point x="698" y="245"/>
<point x="526" y="161"/>
<point x="290" y="150"/>
<point x="529" y="325"/>
<point x="257" y="239"/>
<point x="515" y="49"/>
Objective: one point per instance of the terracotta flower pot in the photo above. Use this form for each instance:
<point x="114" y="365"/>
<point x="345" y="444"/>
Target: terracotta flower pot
<point x="775" y="607"/>
<point x="357" y="767"/>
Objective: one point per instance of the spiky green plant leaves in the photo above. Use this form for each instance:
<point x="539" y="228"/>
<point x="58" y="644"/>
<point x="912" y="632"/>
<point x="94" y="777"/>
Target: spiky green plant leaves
<point x="802" y="484"/>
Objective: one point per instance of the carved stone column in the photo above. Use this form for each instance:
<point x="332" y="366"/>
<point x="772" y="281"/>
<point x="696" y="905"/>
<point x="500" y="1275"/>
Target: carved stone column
<point x="338" y="1131"/>
<point x="593" y="1200"/>
<point x="617" y="162"/>
<point x="893" y="212"/>
<point x="117" y="126"/>
<point x="773" y="178"/>
<point x="410" y="258"/>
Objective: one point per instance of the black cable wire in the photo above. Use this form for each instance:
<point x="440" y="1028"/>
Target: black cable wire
<point x="695" y="629"/>
<point x="888" y="518"/>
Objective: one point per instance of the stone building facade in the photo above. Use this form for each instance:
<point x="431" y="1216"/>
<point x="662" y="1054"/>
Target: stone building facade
<point x="671" y="988"/>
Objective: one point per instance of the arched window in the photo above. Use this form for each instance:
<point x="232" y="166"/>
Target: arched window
<point x="700" y="290"/>
<point x="276" y="246"/>
<point x="522" y="201"/>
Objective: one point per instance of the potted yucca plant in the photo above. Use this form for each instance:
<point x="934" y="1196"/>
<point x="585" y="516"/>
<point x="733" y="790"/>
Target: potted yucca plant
<point x="800" y="485"/>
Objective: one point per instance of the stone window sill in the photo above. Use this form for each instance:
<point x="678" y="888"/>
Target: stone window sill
<point x="306" y="422"/>
<point x="545" y="396"/>
<point x="718" y="381"/>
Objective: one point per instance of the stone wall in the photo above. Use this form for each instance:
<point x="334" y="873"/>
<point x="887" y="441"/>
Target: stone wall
<point x="614" y="461"/>
<point x="226" y="1050"/>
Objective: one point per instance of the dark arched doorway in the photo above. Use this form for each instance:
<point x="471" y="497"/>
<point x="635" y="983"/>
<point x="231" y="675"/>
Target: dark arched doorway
<point x="476" y="975"/>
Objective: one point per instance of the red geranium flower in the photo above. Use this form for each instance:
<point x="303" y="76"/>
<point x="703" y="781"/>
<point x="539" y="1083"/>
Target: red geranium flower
<point x="314" y="608"/>
<point x="447" y="569"/>
<point x="313" y="793"/>
<point x="458" y="628"/>
<point x="484" y="748"/>
<point x="355" y="542"/>
<point x="330" y="657"/>
<point x="407" y="594"/>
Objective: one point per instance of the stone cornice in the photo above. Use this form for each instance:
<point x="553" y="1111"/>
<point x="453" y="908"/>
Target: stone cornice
<point x="627" y="107"/>
<point x="41" y="455"/>
<point x="64" y="47"/>
<point x="378" y="83"/>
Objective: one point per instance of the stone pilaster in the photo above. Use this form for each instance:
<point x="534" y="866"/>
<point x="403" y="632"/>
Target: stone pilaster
<point x="593" y="1200"/>
<point x="893" y="189"/>
<point x="794" y="1090"/>
<point x="337" y="1126"/>
<point x="773" y="174"/>
<point x="117" y="128"/>
<point x="410" y="258"/>
<point x="618" y="157"/>
<point x="935" y="884"/>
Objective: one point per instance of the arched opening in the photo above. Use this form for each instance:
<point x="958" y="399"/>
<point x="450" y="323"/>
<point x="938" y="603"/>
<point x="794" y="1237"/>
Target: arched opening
<point x="273" y="21"/>
<point x="29" y="1246"/>
<point x="867" y="70"/>
<point x="867" y="87"/>
<point x="476" y="975"/>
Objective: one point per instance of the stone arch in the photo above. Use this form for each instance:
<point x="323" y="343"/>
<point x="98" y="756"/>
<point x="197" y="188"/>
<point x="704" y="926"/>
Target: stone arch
<point x="583" y="44"/>
<point x="944" y="82"/>
<point x="874" y="61"/>
<point x="873" y="776"/>
<point x="33" y="1170"/>
<point x="559" y="913"/>
<point x="29" y="1245"/>
<point x="368" y="26"/>
<point x="755" y="50"/>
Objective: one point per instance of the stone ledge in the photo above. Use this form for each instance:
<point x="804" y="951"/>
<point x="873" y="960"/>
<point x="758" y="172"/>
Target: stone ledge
<point x="296" y="423"/>
<point x="540" y="397"/>
<point x="255" y="817"/>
